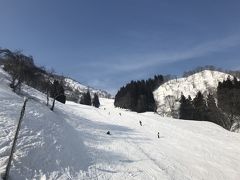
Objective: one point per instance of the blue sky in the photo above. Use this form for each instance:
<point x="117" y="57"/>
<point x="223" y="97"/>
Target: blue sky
<point x="106" y="43"/>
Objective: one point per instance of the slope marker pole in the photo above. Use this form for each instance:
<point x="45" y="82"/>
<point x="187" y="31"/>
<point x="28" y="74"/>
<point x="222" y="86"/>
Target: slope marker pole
<point x="6" y="175"/>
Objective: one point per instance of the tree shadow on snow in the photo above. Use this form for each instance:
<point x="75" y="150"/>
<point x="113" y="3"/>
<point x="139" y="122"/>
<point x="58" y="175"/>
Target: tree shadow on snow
<point x="48" y="145"/>
<point x="66" y="144"/>
<point x="95" y="132"/>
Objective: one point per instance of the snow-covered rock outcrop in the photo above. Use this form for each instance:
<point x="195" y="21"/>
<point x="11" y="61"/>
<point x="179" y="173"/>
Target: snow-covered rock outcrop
<point x="73" y="87"/>
<point x="168" y="94"/>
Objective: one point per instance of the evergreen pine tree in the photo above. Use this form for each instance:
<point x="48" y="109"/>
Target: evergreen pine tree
<point x="228" y="98"/>
<point x="57" y="92"/>
<point x="183" y="108"/>
<point x="138" y="95"/>
<point x="200" y="108"/>
<point x="186" y="110"/>
<point x="213" y="113"/>
<point x="86" y="99"/>
<point x="190" y="108"/>
<point x="141" y="104"/>
<point x="95" y="101"/>
<point x="212" y="109"/>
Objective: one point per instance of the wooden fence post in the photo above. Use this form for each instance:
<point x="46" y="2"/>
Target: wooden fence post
<point x="5" y="177"/>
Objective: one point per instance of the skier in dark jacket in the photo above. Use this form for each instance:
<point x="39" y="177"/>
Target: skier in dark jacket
<point x="140" y="122"/>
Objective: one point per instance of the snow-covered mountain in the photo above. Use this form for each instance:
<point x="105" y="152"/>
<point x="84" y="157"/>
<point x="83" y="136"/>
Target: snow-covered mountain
<point x="74" y="89"/>
<point x="168" y="94"/>
<point x="71" y="143"/>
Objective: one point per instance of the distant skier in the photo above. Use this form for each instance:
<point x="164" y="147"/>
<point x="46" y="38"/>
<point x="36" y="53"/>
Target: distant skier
<point x="108" y="113"/>
<point x="140" y="122"/>
<point x="158" y="135"/>
<point x="108" y="133"/>
<point x="120" y="114"/>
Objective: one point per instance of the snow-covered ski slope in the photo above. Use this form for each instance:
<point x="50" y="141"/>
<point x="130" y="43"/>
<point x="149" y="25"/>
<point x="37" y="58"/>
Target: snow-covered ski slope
<point x="205" y="81"/>
<point x="71" y="143"/>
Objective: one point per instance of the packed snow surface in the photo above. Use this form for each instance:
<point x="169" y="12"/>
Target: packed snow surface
<point x="71" y="143"/>
<point x="205" y="82"/>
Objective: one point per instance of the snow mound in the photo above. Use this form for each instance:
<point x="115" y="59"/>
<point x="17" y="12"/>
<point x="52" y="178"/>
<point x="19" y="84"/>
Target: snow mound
<point x="205" y="81"/>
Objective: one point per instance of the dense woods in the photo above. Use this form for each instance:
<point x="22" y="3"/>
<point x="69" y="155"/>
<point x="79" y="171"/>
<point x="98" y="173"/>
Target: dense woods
<point x="23" y="70"/>
<point x="86" y="99"/>
<point x="228" y="98"/>
<point x="138" y="95"/>
<point x="95" y="101"/>
<point x="224" y="109"/>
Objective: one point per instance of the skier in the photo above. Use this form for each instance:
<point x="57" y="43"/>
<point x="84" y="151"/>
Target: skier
<point x="158" y="135"/>
<point x="140" y="122"/>
<point x="108" y="133"/>
<point x="120" y="114"/>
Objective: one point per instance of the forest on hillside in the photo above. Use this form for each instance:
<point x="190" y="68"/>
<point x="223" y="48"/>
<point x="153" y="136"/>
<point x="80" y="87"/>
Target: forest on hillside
<point x="222" y="107"/>
<point x="138" y="95"/>
<point x="22" y="69"/>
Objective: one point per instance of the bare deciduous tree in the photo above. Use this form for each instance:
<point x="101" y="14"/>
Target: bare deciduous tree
<point x="170" y="102"/>
<point x="48" y="83"/>
<point x="57" y="93"/>
<point x="16" y="67"/>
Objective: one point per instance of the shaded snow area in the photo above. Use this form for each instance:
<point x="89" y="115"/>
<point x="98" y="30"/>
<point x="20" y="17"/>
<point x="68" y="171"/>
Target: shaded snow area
<point x="71" y="143"/>
<point x="205" y="81"/>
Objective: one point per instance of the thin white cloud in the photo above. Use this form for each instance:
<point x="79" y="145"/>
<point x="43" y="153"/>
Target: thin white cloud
<point x="137" y="62"/>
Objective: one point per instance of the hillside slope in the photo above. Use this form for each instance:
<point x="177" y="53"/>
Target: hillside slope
<point x="205" y="81"/>
<point x="74" y="88"/>
<point x="71" y="143"/>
